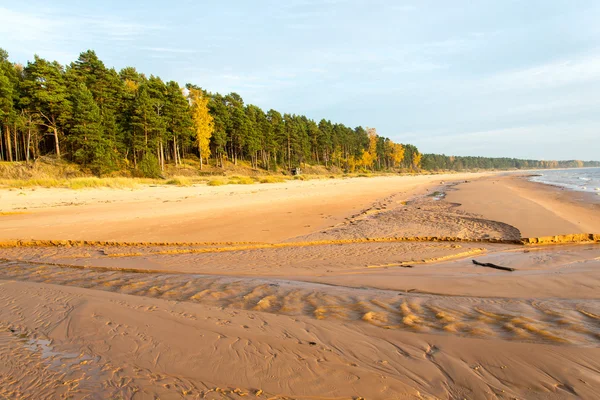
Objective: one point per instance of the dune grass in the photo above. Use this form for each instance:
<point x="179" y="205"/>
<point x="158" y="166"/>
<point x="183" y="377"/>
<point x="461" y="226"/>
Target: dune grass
<point x="216" y="182"/>
<point x="180" y="181"/>
<point x="33" y="182"/>
<point x="272" y="179"/>
<point x="54" y="174"/>
<point x="241" y="180"/>
<point x="75" y="183"/>
<point x="114" y="183"/>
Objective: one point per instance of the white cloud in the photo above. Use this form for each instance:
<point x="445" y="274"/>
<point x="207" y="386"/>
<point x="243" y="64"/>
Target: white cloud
<point x="547" y="76"/>
<point x="52" y="28"/>
<point x="26" y="27"/>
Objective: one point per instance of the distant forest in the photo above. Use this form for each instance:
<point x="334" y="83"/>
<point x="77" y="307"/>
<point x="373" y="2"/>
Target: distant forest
<point x="110" y="121"/>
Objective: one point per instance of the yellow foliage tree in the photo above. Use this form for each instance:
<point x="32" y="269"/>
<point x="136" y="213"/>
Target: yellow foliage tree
<point x="352" y="161"/>
<point x="397" y="153"/>
<point x="203" y="122"/>
<point x="336" y="157"/>
<point x="131" y="86"/>
<point x="416" y="159"/>
<point x="369" y="157"/>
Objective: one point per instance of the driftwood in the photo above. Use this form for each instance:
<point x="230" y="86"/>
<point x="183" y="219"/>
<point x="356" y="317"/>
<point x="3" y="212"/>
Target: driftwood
<point x="490" y="265"/>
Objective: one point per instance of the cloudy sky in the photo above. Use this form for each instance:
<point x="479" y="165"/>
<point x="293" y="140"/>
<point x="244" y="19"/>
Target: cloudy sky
<point x="493" y="78"/>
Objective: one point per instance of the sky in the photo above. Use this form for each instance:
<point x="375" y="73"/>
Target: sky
<point x="489" y="78"/>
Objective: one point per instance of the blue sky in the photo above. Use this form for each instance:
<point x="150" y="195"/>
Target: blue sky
<point x="492" y="78"/>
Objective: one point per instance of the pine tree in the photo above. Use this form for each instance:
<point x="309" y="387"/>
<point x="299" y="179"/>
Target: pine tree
<point x="7" y="106"/>
<point x="47" y="93"/>
<point x="220" y="113"/>
<point x="178" y="117"/>
<point x="144" y="143"/>
<point x="91" y="146"/>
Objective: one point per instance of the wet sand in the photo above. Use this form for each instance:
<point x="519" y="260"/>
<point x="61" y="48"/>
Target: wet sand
<point x="534" y="208"/>
<point x="341" y="309"/>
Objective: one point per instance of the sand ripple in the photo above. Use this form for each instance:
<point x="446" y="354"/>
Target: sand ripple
<point x="568" y="321"/>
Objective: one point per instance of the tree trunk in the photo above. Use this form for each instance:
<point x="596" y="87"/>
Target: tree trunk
<point x="162" y="156"/>
<point x="9" y="156"/>
<point x="26" y="144"/>
<point x="175" y="149"/>
<point x="16" y="142"/>
<point x="289" y="151"/>
<point x="1" y="147"/>
<point x="146" y="133"/>
<point x="57" y="146"/>
<point x="34" y="149"/>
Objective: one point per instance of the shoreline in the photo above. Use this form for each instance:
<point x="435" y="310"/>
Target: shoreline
<point x="592" y="197"/>
<point x="535" y="208"/>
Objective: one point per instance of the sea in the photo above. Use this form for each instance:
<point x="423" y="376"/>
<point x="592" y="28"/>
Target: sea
<point x="578" y="179"/>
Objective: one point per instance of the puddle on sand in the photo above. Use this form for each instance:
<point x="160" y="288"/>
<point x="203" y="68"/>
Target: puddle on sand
<point x="437" y="196"/>
<point x="56" y="358"/>
<point x="59" y="361"/>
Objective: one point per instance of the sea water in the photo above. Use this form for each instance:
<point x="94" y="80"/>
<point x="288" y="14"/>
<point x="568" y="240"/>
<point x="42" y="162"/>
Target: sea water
<point x="579" y="179"/>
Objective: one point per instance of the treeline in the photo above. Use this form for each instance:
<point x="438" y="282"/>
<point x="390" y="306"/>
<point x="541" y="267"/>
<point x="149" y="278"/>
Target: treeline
<point x="107" y="120"/>
<point x="435" y="162"/>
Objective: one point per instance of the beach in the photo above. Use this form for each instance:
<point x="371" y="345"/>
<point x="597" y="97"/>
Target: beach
<point x="330" y="289"/>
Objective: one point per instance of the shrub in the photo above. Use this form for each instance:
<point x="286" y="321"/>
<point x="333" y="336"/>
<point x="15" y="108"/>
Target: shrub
<point x="148" y="167"/>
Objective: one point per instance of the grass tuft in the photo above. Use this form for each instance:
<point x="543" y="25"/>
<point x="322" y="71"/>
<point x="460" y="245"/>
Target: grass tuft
<point x="179" y="181"/>
<point x="216" y="182"/>
<point x="241" y="180"/>
<point x="272" y="179"/>
<point x="92" y="182"/>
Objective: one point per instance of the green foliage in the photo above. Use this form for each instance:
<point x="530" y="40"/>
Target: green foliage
<point x="148" y="167"/>
<point x="90" y="145"/>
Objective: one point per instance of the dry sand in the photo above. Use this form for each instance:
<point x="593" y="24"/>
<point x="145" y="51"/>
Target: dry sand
<point x="318" y="312"/>
<point x="268" y="212"/>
